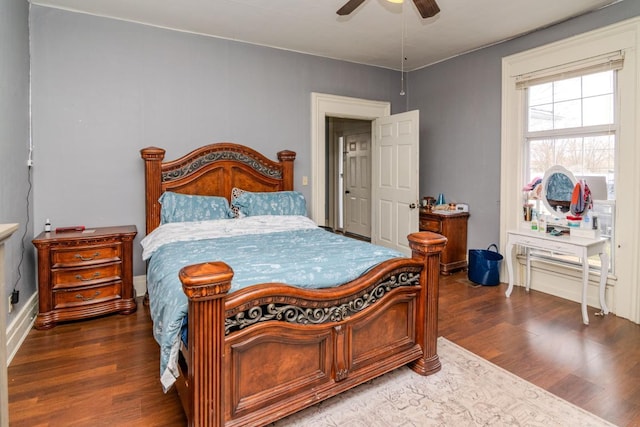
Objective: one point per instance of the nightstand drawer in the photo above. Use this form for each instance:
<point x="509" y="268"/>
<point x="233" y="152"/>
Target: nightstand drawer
<point x="74" y="277"/>
<point x="431" y="225"/>
<point x="85" y="255"/>
<point x="79" y="297"/>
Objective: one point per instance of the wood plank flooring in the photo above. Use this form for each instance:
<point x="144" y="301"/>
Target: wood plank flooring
<point x="104" y="372"/>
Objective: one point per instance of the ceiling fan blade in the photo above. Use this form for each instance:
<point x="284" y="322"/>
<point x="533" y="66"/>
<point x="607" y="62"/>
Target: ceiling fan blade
<point x="427" y="8"/>
<point x="349" y="7"/>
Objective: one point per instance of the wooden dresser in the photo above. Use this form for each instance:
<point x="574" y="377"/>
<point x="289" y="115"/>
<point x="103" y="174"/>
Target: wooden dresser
<point x="454" y="227"/>
<point x="83" y="274"/>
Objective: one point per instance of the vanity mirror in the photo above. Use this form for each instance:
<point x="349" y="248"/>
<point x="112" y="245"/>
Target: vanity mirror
<point x="557" y="188"/>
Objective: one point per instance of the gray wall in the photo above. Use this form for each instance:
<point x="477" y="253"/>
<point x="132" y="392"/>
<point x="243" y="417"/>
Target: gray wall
<point x="14" y="146"/>
<point x="103" y="89"/>
<point x="460" y="118"/>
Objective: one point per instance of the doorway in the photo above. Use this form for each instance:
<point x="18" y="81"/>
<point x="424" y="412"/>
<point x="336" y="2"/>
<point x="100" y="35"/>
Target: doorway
<point x="323" y="106"/>
<point x="349" y="176"/>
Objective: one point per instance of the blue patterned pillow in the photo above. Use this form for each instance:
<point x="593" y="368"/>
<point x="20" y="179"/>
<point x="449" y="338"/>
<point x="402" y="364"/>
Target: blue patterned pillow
<point x="186" y="208"/>
<point x="270" y="203"/>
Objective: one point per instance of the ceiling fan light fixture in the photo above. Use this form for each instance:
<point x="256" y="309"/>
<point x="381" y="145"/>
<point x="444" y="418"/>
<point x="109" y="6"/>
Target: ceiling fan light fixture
<point x="396" y="1"/>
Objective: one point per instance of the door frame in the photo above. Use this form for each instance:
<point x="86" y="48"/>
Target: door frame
<point x="323" y="106"/>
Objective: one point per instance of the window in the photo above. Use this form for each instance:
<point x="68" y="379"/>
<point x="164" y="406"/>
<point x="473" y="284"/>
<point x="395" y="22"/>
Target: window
<point x="571" y="122"/>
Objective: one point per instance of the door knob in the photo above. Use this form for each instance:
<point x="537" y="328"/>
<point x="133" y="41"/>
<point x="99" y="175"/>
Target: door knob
<point x="347" y="192"/>
<point x="412" y="206"/>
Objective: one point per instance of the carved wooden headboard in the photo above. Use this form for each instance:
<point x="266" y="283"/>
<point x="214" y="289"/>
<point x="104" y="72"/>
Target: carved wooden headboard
<point x="212" y="170"/>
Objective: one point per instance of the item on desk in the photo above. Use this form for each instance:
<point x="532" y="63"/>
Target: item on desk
<point x="586" y="221"/>
<point x="47" y="225"/>
<point x="556" y="231"/>
<point x="588" y="233"/>
<point x="534" y="221"/>
<point x="542" y="224"/>
<point x="574" y="220"/>
<point x="440" y="200"/>
<point x="527" y="209"/>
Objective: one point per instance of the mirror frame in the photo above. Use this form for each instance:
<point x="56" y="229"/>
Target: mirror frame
<point x="547" y="175"/>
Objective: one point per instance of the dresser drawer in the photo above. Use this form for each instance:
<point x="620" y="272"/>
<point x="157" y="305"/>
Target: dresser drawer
<point x="85" y="255"/>
<point x="75" y="277"/>
<point x="433" y="225"/>
<point x="77" y="297"/>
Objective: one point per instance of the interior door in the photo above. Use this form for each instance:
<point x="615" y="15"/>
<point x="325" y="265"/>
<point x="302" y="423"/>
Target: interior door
<point x="357" y="197"/>
<point x="395" y="179"/>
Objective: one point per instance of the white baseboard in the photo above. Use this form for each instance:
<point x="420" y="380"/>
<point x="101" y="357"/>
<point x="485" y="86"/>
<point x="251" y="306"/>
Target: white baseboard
<point x="140" y="285"/>
<point x="20" y="326"/>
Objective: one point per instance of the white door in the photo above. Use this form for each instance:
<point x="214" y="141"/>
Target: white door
<point x="395" y="180"/>
<point x="357" y="197"/>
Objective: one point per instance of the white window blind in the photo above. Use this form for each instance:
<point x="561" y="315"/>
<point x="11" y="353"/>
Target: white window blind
<point x="609" y="61"/>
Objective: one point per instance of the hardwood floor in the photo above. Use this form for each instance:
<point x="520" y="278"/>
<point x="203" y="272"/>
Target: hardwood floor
<point x="104" y="372"/>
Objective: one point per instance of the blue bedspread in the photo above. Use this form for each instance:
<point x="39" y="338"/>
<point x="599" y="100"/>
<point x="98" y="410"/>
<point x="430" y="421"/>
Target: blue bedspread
<point x="306" y="257"/>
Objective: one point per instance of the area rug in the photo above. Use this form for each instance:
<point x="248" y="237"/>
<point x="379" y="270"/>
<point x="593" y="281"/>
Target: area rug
<point x="468" y="391"/>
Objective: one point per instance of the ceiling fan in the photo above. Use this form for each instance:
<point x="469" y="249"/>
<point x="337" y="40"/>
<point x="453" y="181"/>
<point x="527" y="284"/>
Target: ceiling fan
<point x="427" y="8"/>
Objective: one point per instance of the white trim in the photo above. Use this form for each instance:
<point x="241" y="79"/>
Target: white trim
<point x="6" y="230"/>
<point x="624" y="297"/>
<point x="20" y="326"/>
<point x="322" y="106"/>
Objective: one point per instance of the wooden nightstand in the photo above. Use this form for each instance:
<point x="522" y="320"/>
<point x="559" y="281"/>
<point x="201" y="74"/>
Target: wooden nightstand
<point x="83" y="274"/>
<point x="454" y="227"/>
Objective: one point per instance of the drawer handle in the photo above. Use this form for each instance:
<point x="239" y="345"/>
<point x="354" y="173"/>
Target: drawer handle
<point x="97" y="254"/>
<point x="83" y="298"/>
<point x="95" y="276"/>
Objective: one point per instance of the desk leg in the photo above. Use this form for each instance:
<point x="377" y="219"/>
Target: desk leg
<point x="604" y="270"/>
<point x="527" y="279"/>
<point x="585" y="283"/>
<point x="509" y="255"/>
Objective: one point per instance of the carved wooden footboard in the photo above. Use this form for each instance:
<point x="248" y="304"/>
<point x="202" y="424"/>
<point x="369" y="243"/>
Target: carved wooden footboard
<point x="265" y="352"/>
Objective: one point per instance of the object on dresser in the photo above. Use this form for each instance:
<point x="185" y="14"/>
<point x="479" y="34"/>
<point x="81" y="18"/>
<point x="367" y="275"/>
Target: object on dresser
<point x="428" y="202"/>
<point x="84" y="275"/>
<point x="451" y="207"/>
<point x="69" y="229"/>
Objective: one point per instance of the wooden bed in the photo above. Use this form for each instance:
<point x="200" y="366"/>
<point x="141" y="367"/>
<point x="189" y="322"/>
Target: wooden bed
<point x="340" y="337"/>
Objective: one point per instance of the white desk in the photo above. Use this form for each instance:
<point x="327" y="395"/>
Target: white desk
<point x="583" y="248"/>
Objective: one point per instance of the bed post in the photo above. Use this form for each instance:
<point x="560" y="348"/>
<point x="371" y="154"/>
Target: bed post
<point x="153" y="157"/>
<point x="287" y="157"/>
<point x="206" y="285"/>
<point x="427" y="246"/>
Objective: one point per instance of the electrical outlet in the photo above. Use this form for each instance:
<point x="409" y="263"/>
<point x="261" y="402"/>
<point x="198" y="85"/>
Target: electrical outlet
<point x="10" y="309"/>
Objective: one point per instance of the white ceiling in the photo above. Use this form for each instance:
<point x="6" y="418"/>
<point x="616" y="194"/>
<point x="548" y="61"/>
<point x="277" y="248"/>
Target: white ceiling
<point x="372" y="34"/>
